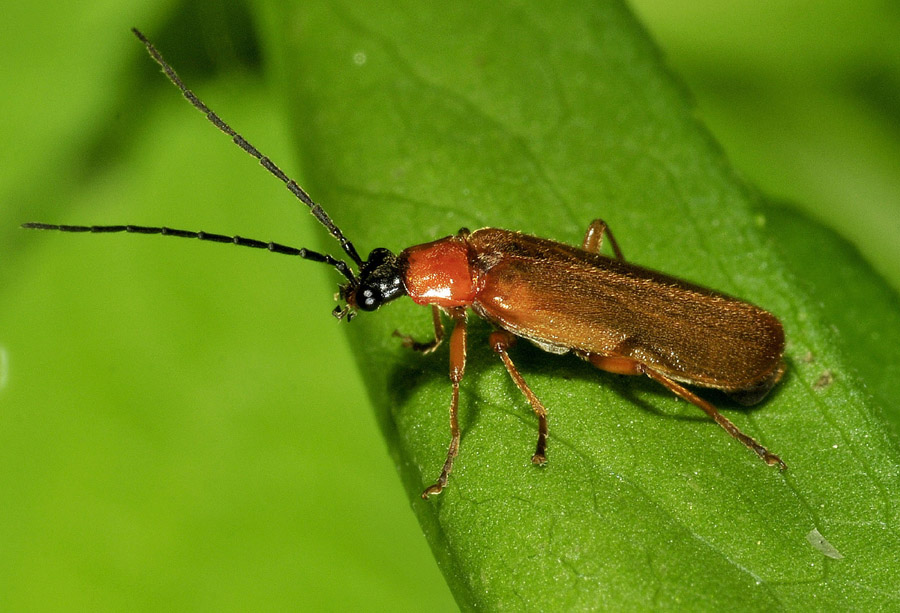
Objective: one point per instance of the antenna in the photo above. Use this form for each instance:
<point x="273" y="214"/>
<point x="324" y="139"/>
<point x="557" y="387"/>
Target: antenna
<point x="240" y="241"/>
<point x="317" y="211"/>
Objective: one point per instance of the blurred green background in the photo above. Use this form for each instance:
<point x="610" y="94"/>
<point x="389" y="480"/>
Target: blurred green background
<point x="183" y="423"/>
<point x="804" y="97"/>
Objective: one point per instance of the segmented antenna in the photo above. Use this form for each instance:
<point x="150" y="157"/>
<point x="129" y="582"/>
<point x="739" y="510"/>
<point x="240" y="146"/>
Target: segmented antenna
<point x="317" y="211"/>
<point x="240" y="241"/>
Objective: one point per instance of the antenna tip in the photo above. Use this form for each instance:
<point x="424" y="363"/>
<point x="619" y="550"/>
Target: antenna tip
<point x="33" y="225"/>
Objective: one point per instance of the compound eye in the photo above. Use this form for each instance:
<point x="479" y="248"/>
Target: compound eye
<point x="368" y="298"/>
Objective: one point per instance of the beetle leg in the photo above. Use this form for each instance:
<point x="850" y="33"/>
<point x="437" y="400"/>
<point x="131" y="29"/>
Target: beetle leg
<point x="614" y="364"/>
<point x="500" y="341"/>
<point x="767" y="456"/>
<point x="593" y="239"/>
<point x="630" y="366"/>
<point x="411" y="343"/>
<point x="457" y="368"/>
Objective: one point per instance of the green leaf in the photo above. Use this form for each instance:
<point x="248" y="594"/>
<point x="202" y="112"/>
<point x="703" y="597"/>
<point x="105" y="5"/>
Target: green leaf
<point x="414" y="121"/>
<point x="807" y="108"/>
<point x="180" y="422"/>
<point x="854" y="299"/>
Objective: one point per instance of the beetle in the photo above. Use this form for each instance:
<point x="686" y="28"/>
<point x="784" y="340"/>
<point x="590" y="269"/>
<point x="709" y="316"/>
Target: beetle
<point x="621" y="318"/>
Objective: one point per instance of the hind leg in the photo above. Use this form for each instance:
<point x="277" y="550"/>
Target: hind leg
<point x="593" y="239"/>
<point x="628" y="366"/>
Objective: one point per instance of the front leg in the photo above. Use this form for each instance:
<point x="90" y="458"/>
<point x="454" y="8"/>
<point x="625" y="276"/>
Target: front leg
<point x="457" y="368"/>
<point x="411" y="343"/>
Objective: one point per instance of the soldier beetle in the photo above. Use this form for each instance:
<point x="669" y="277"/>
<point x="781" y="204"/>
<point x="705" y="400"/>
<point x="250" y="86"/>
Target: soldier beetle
<point x="621" y="318"/>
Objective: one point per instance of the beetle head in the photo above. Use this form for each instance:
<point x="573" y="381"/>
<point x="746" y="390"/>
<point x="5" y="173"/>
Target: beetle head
<point x="380" y="280"/>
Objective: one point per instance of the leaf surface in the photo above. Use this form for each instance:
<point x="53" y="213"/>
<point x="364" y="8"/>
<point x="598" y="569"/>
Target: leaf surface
<point x="414" y="121"/>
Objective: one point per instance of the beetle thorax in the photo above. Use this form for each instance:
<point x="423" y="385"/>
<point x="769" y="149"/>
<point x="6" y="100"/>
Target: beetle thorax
<point x="439" y="273"/>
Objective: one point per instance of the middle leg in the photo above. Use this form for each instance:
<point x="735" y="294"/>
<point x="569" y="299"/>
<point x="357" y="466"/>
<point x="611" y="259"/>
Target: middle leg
<point x="500" y="341"/>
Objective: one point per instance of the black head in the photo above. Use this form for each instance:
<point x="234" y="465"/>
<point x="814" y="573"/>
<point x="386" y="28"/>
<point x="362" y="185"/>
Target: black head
<point x="380" y="280"/>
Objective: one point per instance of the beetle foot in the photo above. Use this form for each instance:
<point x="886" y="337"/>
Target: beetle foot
<point x="433" y="490"/>
<point x="772" y="460"/>
<point x="410" y="343"/>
